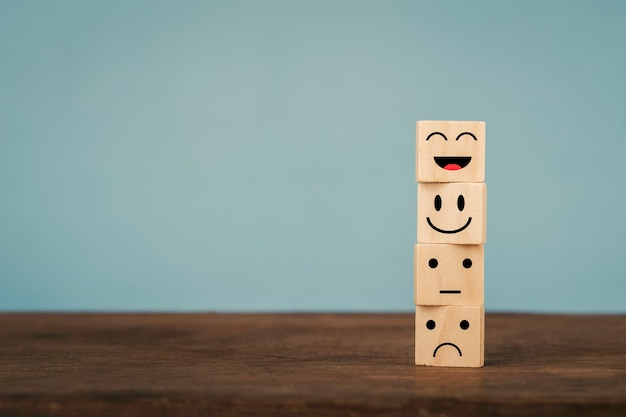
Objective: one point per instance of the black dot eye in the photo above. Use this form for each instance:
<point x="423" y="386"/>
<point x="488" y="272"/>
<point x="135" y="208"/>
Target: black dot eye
<point x="437" y="202"/>
<point x="460" y="202"/>
<point x="430" y="324"/>
<point x="433" y="263"/>
<point x="464" y="324"/>
<point x="467" y="263"/>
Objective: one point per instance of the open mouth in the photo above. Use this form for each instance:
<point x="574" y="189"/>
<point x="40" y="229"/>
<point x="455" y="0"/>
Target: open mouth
<point x="460" y="229"/>
<point x="452" y="163"/>
<point x="447" y="344"/>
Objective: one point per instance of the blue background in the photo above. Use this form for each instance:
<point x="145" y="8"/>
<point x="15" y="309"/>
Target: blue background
<point x="259" y="156"/>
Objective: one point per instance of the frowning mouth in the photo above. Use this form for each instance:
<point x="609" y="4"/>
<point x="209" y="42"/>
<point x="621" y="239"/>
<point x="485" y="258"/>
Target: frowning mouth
<point x="460" y="229"/>
<point x="447" y="344"/>
<point x="452" y="163"/>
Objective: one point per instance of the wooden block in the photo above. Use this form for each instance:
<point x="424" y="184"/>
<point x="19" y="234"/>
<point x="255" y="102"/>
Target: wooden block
<point x="450" y="336"/>
<point x="449" y="151"/>
<point x="452" y="213"/>
<point x="449" y="275"/>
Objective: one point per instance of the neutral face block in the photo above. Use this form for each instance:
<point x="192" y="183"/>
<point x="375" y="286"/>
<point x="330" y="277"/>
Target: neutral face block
<point x="450" y="336"/>
<point x="452" y="213"/>
<point x="449" y="275"/>
<point x="450" y="151"/>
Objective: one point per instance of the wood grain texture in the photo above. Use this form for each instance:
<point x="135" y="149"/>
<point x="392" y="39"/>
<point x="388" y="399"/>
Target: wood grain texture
<point x="303" y="364"/>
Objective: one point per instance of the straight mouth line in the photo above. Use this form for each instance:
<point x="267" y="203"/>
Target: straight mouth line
<point x="450" y="292"/>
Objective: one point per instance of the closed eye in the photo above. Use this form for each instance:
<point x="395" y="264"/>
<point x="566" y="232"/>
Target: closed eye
<point x="440" y="134"/>
<point x="465" y="133"/>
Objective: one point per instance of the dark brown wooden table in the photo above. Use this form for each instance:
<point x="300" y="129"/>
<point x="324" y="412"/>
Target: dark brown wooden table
<point x="303" y="364"/>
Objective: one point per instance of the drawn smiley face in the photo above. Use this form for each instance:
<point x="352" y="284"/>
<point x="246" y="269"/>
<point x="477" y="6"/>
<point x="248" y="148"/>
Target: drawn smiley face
<point x="449" y="336"/>
<point x="448" y="274"/>
<point x="451" y="213"/>
<point x="449" y="151"/>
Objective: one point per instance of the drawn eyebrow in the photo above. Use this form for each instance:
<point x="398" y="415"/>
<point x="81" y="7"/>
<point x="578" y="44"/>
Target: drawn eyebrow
<point x="465" y="133"/>
<point x="444" y="136"/>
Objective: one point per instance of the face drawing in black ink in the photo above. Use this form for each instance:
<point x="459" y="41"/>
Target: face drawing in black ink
<point x="449" y="274"/>
<point x="449" y="151"/>
<point x="449" y="336"/>
<point x="463" y="325"/>
<point x="451" y="213"/>
<point x="434" y="263"/>
<point x="452" y="163"/>
<point x="460" y="204"/>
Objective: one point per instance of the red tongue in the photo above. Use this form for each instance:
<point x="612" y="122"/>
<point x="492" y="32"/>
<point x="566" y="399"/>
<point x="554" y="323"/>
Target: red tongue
<point x="452" y="167"/>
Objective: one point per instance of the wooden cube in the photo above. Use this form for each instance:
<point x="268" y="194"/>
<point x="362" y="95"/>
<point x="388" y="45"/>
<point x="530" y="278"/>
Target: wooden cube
<point x="450" y="151"/>
<point x="452" y="213"/>
<point x="449" y="274"/>
<point x="450" y="336"/>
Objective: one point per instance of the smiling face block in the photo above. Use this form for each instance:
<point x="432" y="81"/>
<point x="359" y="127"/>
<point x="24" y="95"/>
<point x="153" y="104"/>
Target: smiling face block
<point x="450" y="336"/>
<point x="452" y="213"/>
<point x="449" y="274"/>
<point x="450" y="151"/>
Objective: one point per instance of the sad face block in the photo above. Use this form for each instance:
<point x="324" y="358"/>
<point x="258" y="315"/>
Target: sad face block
<point x="449" y="274"/>
<point x="450" y="336"/>
<point x="452" y="213"/>
<point x="450" y="151"/>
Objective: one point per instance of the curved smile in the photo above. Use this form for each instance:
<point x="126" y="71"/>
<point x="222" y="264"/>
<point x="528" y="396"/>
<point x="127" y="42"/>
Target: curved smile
<point x="469" y="220"/>
<point x="447" y="344"/>
<point x="452" y="163"/>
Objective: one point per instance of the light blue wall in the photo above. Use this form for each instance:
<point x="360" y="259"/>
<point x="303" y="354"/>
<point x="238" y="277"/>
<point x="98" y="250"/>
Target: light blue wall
<point x="259" y="155"/>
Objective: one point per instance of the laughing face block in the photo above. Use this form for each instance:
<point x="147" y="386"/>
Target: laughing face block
<point x="450" y="151"/>
<point x="452" y="213"/>
<point x="449" y="274"/>
<point x="450" y="336"/>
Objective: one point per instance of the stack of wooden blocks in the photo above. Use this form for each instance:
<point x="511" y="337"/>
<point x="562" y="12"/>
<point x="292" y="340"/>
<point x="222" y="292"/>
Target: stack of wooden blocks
<point x="449" y="254"/>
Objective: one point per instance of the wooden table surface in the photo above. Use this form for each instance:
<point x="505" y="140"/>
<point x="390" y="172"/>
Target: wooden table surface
<point x="303" y="364"/>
